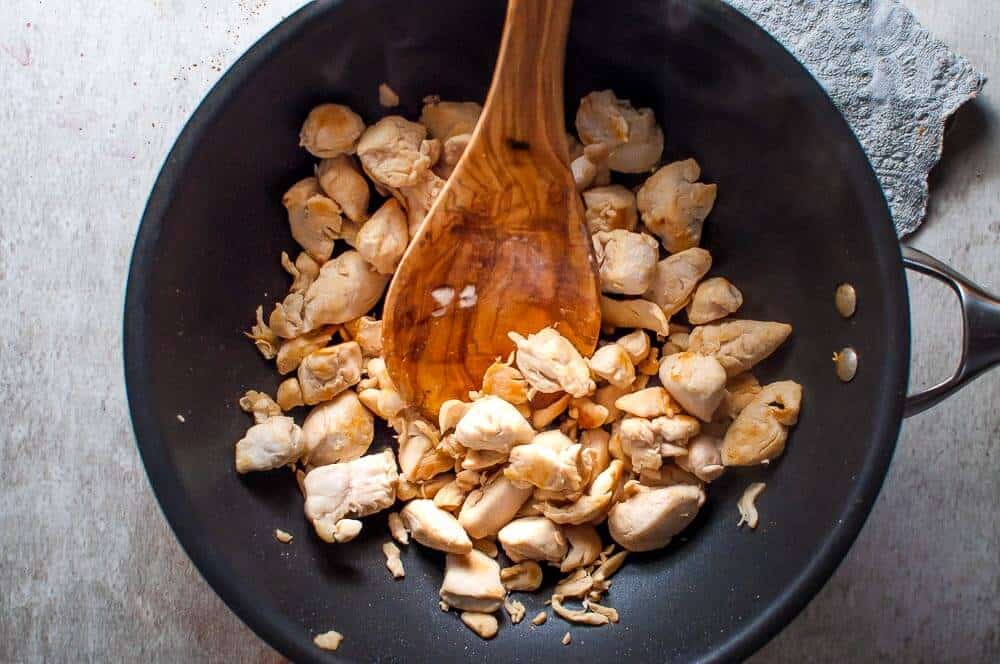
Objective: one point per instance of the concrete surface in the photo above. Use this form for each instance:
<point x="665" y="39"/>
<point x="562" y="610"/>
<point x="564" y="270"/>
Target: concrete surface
<point x="93" y="95"/>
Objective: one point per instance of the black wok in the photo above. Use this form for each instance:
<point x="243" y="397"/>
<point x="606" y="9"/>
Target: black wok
<point x="799" y="212"/>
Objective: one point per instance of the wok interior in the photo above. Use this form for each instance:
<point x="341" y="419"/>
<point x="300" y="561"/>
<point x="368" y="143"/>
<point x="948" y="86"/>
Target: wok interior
<point x="798" y="212"/>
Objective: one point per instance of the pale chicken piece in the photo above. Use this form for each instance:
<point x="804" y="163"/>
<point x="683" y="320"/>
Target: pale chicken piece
<point x="483" y="459"/>
<point x="636" y="344"/>
<point x="599" y="119"/>
<point x="546" y="415"/>
<point x="338" y="430"/>
<point x="593" y="506"/>
<point x="713" y="299"/>
<point x="626" y="261"/>
<point x="759" y="433"/>
<point x="314" y="219"/>
<point x="392" y="560"/>
<point x="525" y="576"/>
<point x="290" y="394"/>
<point x="342" y="181"/>
<point x="260" y="405"/>
<point x="649" y="517"/>
<point x="452" y="150"/>
<point x="347" y="287"/>
<point x="263" y="338"/>
<point x="747" y="505"/>
<point x="451" y="496"/>
<point x="435" y="528"/>
<point x="703" y="458"/>
<point x="274" y="443"/>
<point x="419" y="198"/>
<point x="633" y="137"/>
<point x="584" y="547"/>
<point x="472" y="582"/>
<point x="293" y="351"/>
<point x="390" y="152"/>
<point x="387" y="97"/>
<point x="597" y="154"/>
<point x="367" y="331"/>
<point x="697" y="382"/>
<point x="647" y="441"/>
<point x="645" y="143"/>
<point x="331" y="130"/>
<point x="610" y="208"/>
<point x="649" y="402"/>
<point x="446" y="119"/>
<point x="550" y="363"/>
<point x="383" y="239"/>
<point x="493" y="424"/>
<point x="584" y="172"/>
<point x="613" y="364"/>
<point x="595" y="443"/>
<point x="738" y="345"/>
<point x="740" y="391"/>
<point x="451" y="413"/>
<point x="668" y="475"/>
<point x="489" y="509"/>
<point x="677" y="342"/>
<point x="607" y="395"/>
<point x="329" y="371"/>
<point x="506" y="382"/>
<point x="396" y="527"/>
<point x="303" y="271"/>
<point x="673" y="204"/>
<point x="638" y="313"/>
<point x="515" y="609"/>
<point x="533" y="538"/>
<point x="485" y="625"/>
<point x="349" y="490"/>
<point x="551" y="461"/>
<point x="587" y="414"/>
<point x="419" y="456"/>
<point x="676" y="277"/>
<point x="329" y="640"/>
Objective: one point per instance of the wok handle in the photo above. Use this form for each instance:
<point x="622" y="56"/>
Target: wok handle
<point x="980" y="330"/>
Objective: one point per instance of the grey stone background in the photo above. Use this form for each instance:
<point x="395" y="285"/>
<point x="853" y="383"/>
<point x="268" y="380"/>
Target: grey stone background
<point x="91" y="97"/>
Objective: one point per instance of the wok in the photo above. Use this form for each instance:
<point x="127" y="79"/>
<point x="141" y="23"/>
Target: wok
<point x="799" y="212"/>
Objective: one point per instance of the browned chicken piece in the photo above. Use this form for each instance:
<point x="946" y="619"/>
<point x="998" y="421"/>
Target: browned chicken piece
<point x="447" y="119"/>
<point x="293" y="351"/>
<point x="676" y="277"/>
<point x="391" y="154"/>
<point x="383" y="239"/>
<point x="697" y="382"/>
<point x="673" y="204"/>
<point x="419" y="456"/>
<point x="550" y="363"/>
<point x="329" y="371"/>
<point x="759" y="433"/>
<point x="738" y="345"/>
<point x="703" y="458"/>
<point x="610" y="208"/>
<point x="314" y="219"/>
<point x="341" y="180"/>
<point x="303" y="271"/>
<point x="331" y="130"/>
<point x="713" y="299"/>
<point x="634" y="139"/>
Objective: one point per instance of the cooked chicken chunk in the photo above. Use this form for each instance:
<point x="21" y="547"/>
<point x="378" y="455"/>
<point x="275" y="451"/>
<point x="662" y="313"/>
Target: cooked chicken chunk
<point x="303" y="271"/>
<point x="367" y="331"/>
<point x="314" y="219"/>
<point x="526" y="576"/>
<point x="761" y="430"/>
<point x="506" y="382"/>
<point x="740" y="391"/>
<point x="263" y="338"/>
<point x="447" y="119"/>
<point x="738" y="345"/>
<point x="613" y="364"/>
<point x="340" y="179"/>
<point x="634" y="313"/>
<point x="293" y="351"/>
<point x="272" y="444"/>
<point x="329" y="371"/>
<point x="626" y="261"/>
<point x="533" y="538"/>
<point x="636" y="344"/>
<point x="633" y="137"/>
<point x="584" y="547"/>
<point x="489" y="509"/>
<point x="550" y="363"/>
<point x="451" y="152"/>
<point x="493" y="424"/>
<point x="485" y="625"/>
<point x="331" y="130"/>
<point x="703" y="458"/>
<point x="390" y="152"/>
<point x="648" y="402"/>
<point x="419" y="198"/>
<point x="713" y="299"/>
<point x="673" y="204"/>
<point x="383" y="239"/>
<point x="419" y="456"/>
<point x="434" y="528"/>
<point x="697" y="382"/>
<point x="649" y="517"/>
<point x="350" y="489"/>
<point x="647" y="441"/>
<point x="472" y="582"/>
<point x="676" y="277"/>
<point x="260" y="405"/>
<point x="338" y="430"/>
<point x="551" y="461"/>
<point x="610" y="208"/>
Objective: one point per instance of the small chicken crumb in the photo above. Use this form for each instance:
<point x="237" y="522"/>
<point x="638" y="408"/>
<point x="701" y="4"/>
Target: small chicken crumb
<point x="746" y="505"/>
<point x="180" y="418"/>
<point x="540" y="618"/>
<point x="282" y="536"/>
<point x="397" y="529"/>
<point x="567" y="639"/>
<point x="329" y="640"/>
<point x="515" y="609"/>
<point x="387" y="97"/>
<point x="392" y="560"/>
<point x="485" y="625"/>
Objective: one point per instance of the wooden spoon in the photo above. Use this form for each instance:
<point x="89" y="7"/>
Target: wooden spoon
<point x="505" y="246"/>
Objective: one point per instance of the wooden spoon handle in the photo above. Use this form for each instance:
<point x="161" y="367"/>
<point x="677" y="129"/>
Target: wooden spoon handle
<point x="526" y="94"/>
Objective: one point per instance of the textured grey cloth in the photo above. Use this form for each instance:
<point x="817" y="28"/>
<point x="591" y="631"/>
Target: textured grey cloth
<point x="893" y="81"/>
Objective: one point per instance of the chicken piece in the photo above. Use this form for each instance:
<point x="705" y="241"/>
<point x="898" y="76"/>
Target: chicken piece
<point x="419" y="198"/>
<point x="274" y="443"/>
<point x="584" y="172"/>
<point x="515" y="609"/>
<point x="610" y="208"/>
<point x="393" y="562"/>
<point x="387" y="97"/>
<point x="331" y="130"/>
<point x="636" y="344"/>
<point x="329" y="371"/>
<point x="505" y="382"/>
<point x="293" y="351"/>
<point x="677" y="342"/>
<point x="451" y="413"/>
<point x="329" y="640"/>
<point x="342" y="181"/>
<point x="434" y="528"/>
<point x="349" y="489"/>
<point x="668" y="474"/>
<point x="390" y="152"/>
<point x="703" y="458"/>
<point x="697" y="382"/>
<point x="489" y="509"/>
<point x="551" y="462"/>
<point x="550" y="363"/>
<point x="451" y="496"/>
<point x="626" y="261"/>
<point x="649" y="402"/>
<point x="577" y="584"/>
<point x="633" y="313"/>
<point x="635" y="140"/>
<point x="338" y="430"/>
<point x="303" y="271"/>
<point x="676" y="277"/>
<point x="383" y="240"/>
<point x="472" y="582"/>
<point x="738" y="345"/>
<point x="347" y="287"/>
<point x="485" y="625"/>
<point x="314" y="219"/>
<point x="597" y="154"/>
<point x="759" y="433"/>
<point x="546" y="415"/>
<point x="419" y="456"/>
<point x="451" y="152"/>
<point x="673" y="204"/>
<point x="740" y="391"/>
<point x="482" y="459"/>
<point x="263" y="338"/>
<point x="533" y="538"/>
<point x="587" y="414"/>
<point x="493" y="424"/>
<point x="446" y="119"/>
<point x="649" y="517"/>
<point x="647" y="441"/>
<point x="367" y="331"/>
<point x="260" y="405"/>
<point x="593" y="506"/>
<point x="595" y="444"/>
<point x="396" y="527"/>
<point x="747" y="505"/>
<point x="525" y="576"/>
<point x="584" y="547"/>
<point x="713" y="299"/>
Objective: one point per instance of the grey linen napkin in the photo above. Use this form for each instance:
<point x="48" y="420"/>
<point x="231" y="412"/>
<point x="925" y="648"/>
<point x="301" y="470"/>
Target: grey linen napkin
<point x="893" y="81"/>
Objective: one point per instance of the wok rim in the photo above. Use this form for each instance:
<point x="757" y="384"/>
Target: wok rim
<point x="742" y="641"/>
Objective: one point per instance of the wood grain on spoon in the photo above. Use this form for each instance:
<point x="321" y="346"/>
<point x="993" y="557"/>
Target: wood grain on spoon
<point x="507" y="231"/>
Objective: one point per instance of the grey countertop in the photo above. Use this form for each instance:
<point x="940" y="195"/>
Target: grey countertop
<point x="93" y="95"/>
